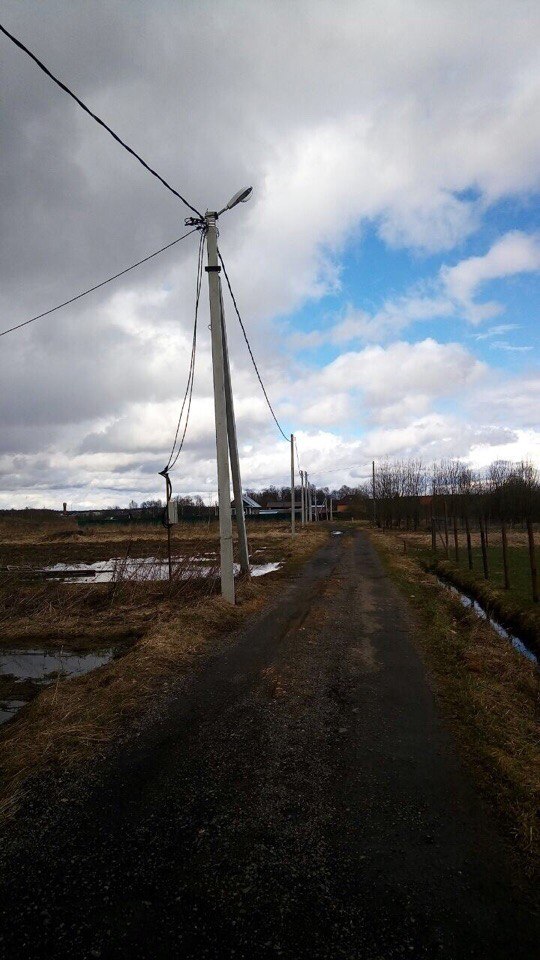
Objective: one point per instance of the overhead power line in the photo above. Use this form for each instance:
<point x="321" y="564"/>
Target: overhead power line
<point x="278" y="425"/>
<point x="95" y="117"/>
<point x="191" y="373"/>
<point x="97" y="285"/>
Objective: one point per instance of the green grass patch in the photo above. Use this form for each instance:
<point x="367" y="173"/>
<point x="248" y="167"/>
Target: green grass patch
<point x="519" y="572"/>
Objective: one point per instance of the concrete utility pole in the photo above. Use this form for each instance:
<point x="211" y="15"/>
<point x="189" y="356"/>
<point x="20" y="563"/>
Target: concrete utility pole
<point x="223" y="405"/>
<point x="233" y="451"/>
<point x="373" y="492"/>
<point x="293" y="498"/>
<point x="331" y="509"/>
<point x="302" y="502"/>
<point x="222" y="441"/>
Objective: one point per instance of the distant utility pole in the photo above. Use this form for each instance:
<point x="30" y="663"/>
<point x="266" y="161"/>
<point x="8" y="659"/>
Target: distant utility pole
<point x="226" y="443"/>
<point x="373" y="492"/>
<point x="293" y="498"/>
<point x="331" y="509"/>
<point x="302" y="500"/>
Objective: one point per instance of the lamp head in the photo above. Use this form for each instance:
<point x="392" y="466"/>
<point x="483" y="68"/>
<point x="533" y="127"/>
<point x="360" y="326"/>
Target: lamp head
<point x="239" y="197"/>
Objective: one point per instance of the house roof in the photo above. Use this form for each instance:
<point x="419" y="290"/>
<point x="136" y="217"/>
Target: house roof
<point x="250" y="502"/>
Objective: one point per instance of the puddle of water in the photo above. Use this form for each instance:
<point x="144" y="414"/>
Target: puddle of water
<point x="261" y="569"/>
<point x="471" y="604"/>
<point x="337" y="533"/>
<point x="105" y="571"/>
<point x="43" y="667"/>
<point x="8" y="709"/>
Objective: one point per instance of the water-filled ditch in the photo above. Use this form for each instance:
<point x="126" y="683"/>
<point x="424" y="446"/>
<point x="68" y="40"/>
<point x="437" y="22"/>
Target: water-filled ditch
<point x="471" y="604"/>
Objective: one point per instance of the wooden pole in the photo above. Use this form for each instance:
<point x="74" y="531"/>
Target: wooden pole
<point x="532" y="558"/>
<point x="484" y="548"/>
<point x="505" y="556"/>
<point x="445" y="528"/>
<point x="456" y="543"/>
<point x="469" y="544"/>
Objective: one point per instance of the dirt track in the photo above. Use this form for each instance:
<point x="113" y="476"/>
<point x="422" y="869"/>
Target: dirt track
<point x="299" y="798"/>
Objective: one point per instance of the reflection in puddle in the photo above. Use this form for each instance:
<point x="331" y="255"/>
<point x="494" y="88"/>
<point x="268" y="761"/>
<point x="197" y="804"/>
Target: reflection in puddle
<point x="473" y="605"/>
<point x="39" y="668"/>
<point x="106" y="571"/>
<point x="8" y="708"/>
<point x="45" y="666"/>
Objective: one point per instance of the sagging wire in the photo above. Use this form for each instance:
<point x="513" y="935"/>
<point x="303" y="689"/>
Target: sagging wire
<point x="97" y="285"/>
<point x="18" y="43"/>
<point x="278" y="425"/>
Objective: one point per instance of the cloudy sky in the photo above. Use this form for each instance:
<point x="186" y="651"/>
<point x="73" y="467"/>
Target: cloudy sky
<point x="387" y="267"/>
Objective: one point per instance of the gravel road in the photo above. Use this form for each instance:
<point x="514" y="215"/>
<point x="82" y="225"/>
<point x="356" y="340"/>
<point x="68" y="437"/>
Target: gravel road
<point x="298" y="798"/>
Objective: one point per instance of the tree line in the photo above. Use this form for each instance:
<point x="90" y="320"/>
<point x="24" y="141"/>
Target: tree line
<point x="409" y="493"/>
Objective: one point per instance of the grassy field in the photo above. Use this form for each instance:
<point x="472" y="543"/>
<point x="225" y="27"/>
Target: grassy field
<point x="158" y="630"/>
<point x="488" y="692"/>
<point x="518" y="566"/>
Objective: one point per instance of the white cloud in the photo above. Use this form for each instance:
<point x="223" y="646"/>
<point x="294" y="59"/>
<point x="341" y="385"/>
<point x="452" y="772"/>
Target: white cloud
<point x="420" y="372"/>
<point x="509" y="347"/>
<point x="496" y="331"/>
<point x="515" y="252"/>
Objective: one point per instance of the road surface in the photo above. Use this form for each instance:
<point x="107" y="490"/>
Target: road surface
<point x="298" y="798"/>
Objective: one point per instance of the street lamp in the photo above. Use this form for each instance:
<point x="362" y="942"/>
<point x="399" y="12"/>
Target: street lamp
<point x="241" y="197"/>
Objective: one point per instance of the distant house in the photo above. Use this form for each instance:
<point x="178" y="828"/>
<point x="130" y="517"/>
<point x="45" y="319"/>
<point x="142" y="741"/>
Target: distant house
<point x="281" y="507"/>
<point x="251" y="507"/>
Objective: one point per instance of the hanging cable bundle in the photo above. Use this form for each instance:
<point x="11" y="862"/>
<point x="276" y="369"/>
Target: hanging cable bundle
<point x="186" y="402"/>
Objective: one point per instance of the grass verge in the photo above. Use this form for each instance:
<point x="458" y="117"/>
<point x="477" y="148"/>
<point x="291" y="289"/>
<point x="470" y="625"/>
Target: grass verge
<point x="488" y="692"/>
<point x="76" y="719"/>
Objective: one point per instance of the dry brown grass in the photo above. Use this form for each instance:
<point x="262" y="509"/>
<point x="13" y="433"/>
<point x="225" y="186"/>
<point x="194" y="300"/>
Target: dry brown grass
<point x="489" y="693"/>
<point x="77" y="718"/>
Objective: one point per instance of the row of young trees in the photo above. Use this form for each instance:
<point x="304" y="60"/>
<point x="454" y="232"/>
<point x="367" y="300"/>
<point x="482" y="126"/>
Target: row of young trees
<point x="408" y="492"/>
